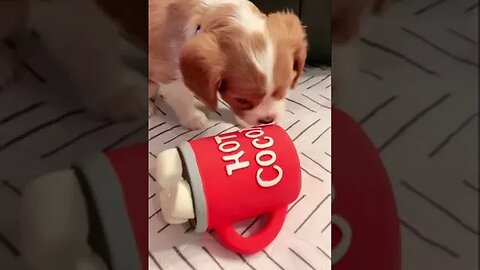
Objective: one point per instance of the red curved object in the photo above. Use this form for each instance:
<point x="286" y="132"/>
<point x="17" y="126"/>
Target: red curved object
<point x="257" y="241"/>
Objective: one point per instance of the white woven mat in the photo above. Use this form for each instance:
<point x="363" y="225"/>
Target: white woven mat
<point x="304" y="242"/>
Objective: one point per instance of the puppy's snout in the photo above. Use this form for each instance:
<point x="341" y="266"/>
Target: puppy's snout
<point x="266" y="120"/>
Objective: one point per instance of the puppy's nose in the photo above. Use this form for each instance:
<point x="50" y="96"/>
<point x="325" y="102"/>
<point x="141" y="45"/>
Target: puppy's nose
<point x="266" y="120"/>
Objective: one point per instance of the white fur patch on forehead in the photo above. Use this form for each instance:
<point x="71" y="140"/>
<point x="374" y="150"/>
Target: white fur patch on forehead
<point x="264" y="60"/>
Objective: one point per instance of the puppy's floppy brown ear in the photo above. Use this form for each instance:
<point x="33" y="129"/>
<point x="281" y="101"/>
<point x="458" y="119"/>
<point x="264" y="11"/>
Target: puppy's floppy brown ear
<point x="202" y="63"/>
<point x="287" y="28"/>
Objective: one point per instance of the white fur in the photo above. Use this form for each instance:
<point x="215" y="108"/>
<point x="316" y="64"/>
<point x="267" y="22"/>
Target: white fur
<point x="181" y="99"/>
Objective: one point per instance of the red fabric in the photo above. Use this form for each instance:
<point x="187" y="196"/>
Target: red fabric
<point x="364" y="198"/>
<point x="239" y="196"/>
<point x="131" y="166"/>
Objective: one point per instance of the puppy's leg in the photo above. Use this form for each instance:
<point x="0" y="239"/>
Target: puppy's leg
<point x="87" y="43"/>
<point x="181" y="99"/>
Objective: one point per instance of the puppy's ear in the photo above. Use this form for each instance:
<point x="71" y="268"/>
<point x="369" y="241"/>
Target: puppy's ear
<point x="202" y="64"/>
<point x="288" y="31"/>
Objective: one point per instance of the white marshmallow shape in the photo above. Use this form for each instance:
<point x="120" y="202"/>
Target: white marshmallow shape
<point x="175" y="196"/>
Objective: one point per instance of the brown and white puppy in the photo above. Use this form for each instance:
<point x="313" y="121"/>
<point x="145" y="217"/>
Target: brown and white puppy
<point x="348" y="18"/>
<point x="226" y="48"/>
<point x="86" y="38"/>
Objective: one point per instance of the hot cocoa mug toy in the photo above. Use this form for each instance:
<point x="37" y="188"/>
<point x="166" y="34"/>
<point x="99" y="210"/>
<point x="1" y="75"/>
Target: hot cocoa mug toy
<point x="217" y="181"/>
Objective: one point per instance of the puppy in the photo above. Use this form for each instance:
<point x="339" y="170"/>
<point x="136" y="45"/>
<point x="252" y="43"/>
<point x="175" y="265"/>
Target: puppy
<point x="85" y="37"/>
<point x="226" y="48"/>
<point x="348" y="17"/>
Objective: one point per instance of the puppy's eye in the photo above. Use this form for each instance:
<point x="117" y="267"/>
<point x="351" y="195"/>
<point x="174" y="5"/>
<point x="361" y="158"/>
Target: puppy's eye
<point x="241" y="101"/>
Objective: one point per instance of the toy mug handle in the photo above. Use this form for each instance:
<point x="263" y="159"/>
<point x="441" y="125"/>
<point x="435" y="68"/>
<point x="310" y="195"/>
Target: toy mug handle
<point x="257" y="241"/>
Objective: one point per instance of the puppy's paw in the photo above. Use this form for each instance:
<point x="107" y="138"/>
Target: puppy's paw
<point x="196" y="120"/>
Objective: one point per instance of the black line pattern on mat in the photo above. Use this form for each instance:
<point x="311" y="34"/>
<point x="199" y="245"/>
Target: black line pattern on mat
<point x="224" y="103"/>
<point x="451" y="135"/>
<point x="151" y="176"/>
<point x="156" y="126"/>
<point x="321" y="134"/>
<point x="34" y="73"/>
<point x="177" y="136"/>
<point x="428" y="240"/>
<point x="301" y="258"/>
<point x="398" y="55"/>
<point x="414" y="119"/>
<point x="13" y="188"/>
<point x="155" y="213"/>
<point x="213" y="258"/>
<point x="311" y="214"/>
<point x="372" y="74"/>
<point x="471" y="186"/>
<point x="23" y="111"/>
<point x="203" y="131"/>
<point x="296" y="202"/>
<point x="151" y="196"/>
<point x="439" y="49"/>
<point x="314" y="176"/>
<point x="326" y="227"/>
<point x="323" y="252"/>
<point x="183" y="258"/>
<point x="316" y="162"/>
<point x="154" y="260"/>
<point x="289" y="127"/>
<point x="165" y="131"/>
<point x="163" y="228"/>
<point x="377" y="109"/>
<point x="290" y="112"/>
<point x="471" y="8"/>
<point x="324" y="97"/>
<point x="245" y="261"/>
<point x="313" y="85"/>
<point x="311" y="77"/>
<point x="428" y="7"/>
<point x="272" y="260"/>
<point x="316" y="102"/>
<point x="75" y="139"/>
<point x="152" y="154"/>
<point x="303" y="131"/>
<point x="300" y="104"/>
<point x="41" y="127"/>
<point x="160" y="109"/>
<point x="125" y="137"/>
<point x="9" y="245"/>
<point x="250" y="225"/>
<point x="462" y="36"/>
<point x="439" y="207"/>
